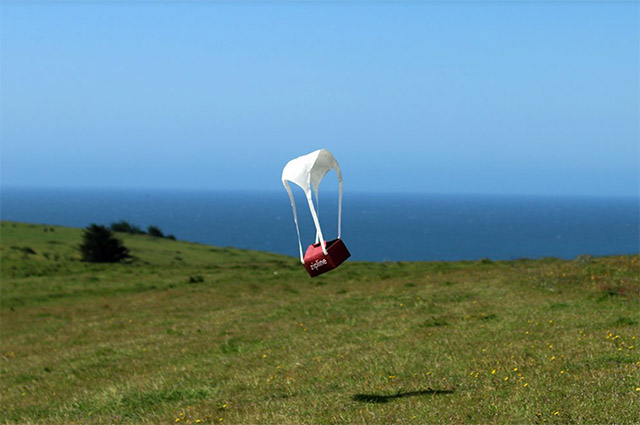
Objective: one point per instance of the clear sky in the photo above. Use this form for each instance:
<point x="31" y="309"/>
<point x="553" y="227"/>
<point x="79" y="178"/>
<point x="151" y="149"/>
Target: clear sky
<point x="444" y="97"/>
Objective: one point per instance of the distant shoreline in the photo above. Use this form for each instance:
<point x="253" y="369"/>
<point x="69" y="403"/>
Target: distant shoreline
<point x="484" y="260"/>
<point x="374" y="227"/>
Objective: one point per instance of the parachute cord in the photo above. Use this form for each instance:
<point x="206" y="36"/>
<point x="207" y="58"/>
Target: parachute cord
<point x="295" y="218"/>
<point x="316" y="222"/>
<point x="340" y="208"/>
<point x="318" y="212"/>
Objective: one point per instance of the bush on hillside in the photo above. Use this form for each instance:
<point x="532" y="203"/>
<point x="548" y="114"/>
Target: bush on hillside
<point x="126" y="227"/>
<point x="155" y="231"/>
<point x="100" y="246"/>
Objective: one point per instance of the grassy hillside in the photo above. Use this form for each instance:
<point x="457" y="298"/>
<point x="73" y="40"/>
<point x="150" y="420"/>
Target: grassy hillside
<point x="189" y="333"/>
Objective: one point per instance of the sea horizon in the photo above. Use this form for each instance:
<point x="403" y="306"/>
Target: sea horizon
<point x="324" y="190"/>
<point x="378" y="226"/>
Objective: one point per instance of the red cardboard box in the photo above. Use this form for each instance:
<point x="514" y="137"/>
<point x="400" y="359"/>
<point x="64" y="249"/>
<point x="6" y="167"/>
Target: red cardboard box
<point x="317" y="263"/>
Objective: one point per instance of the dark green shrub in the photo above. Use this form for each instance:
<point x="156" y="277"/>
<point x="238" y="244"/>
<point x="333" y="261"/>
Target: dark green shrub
<point x="100" y="246"/>
<point x="24" y="249"/>
<point x="155" y="231"/>
<point x="126" y="227"/>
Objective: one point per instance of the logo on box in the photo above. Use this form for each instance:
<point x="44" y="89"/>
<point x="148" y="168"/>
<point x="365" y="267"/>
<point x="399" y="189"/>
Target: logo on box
<point x="318" y="263"/>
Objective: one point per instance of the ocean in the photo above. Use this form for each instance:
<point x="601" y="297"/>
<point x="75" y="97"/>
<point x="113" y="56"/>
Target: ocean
<point x="375" y="227"/>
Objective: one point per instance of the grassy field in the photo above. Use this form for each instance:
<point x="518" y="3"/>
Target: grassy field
<point x="189" y="333"/>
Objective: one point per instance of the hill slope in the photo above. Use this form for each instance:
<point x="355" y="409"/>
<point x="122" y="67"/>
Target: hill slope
<point x="188" y="333"/>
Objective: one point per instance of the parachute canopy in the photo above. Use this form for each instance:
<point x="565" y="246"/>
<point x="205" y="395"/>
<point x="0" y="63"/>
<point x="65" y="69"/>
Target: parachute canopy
<point x="307" y="171"/>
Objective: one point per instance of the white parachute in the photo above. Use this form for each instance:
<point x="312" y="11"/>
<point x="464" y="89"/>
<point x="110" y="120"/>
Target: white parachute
<point x="307" y="171"/>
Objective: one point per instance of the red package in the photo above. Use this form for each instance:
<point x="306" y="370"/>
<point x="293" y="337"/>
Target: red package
<point x="316" y="262"/>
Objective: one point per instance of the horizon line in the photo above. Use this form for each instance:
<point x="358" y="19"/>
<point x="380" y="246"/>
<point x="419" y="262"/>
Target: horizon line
<point x="10" y="187"/>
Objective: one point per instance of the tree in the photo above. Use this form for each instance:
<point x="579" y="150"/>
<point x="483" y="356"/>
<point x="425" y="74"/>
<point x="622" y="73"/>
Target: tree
<point x="100" y="246"/>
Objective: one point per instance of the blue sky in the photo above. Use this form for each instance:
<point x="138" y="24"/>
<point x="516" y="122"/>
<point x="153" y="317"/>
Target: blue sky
<point x="436" y="97"/>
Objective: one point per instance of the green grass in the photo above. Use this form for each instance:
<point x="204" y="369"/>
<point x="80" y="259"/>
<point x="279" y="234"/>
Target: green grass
<point x="188" y="332"/>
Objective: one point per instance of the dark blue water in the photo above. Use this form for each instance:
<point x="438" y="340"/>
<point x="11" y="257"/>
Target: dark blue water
<point x="376" y="227"/>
